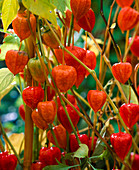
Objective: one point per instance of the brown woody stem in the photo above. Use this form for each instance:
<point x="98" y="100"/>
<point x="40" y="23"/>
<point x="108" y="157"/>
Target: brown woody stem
<point x="109" y="30"/>
<point x="128" y="48"/>
<point x="105" y="38"/>
<point x="109" y="65"/>
<point x="107" y="51"/>
<point x="28" y="148"/>
<point x="135" y="75"/>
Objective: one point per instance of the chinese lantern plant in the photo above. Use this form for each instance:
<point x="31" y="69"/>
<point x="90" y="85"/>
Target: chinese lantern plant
<point x="69" y="97"/>
<point x="127" y="13"/>
<point x="16" y="60"/>
<point x="36" y="70"/>
<point x="21" y="25"/>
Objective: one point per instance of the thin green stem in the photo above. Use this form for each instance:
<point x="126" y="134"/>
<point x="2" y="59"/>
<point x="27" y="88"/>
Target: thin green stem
<point x="80" y="105"/>
<point x="36" y="144"/>
<point x="67" y="136"/>
<point x="82" y="99"/>
<point x="9" y="142"/>
<point x="39" y="36"/>
<point x="71" y="28"/>
<point x="20" y="84"/>
<point x="128" y="48"/>
<point x="67" y="114"/>
<point x="1" y="146"/>
<point x="54" y="136"/>
<point x="54" y="56"/>
<point x="18" y="90"/>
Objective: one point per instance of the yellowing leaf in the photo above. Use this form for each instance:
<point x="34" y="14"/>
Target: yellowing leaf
<point x="7" y="90"/>
<point x="61" y="5"/>
<point x="17" y="141"/>
<point x="6" y="78"/>
<point x="1" y="2"/>
<point x="82" y="152"/>
<point x="94" y="49"/>
<point x="6" y="47"/>
<point x="91" y="44"/>
<point x="113" y="26"/>
<point x="90" y="41"/>
<point x="42" y="8"/>
<point x="6" y="81"/>
<point x="9" y="12"/>
<point x="133" y="97"/>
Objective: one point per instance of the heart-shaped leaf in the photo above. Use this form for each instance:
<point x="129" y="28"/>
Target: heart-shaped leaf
<point x="82" y="152"/>
<point x="9" y="12"/>
<point x="42" y="8"/>
<point x="6" y="78"/>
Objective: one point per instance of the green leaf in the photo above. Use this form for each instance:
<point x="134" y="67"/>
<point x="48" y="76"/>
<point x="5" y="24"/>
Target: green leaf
<point x="42" y="8"/>
<point x="133" y="97"/>
<point x="9" y="12"/>
<point x="68" y="156"/>
<point x="11" y="39"/>
<point x="82" y="152"/>
<point x="6" y="78"/>
<point x="11" y="42"/>
<point x="61" y="5"/>
<point x="1" y="2"/>
<point x="6" y="47"/>
<point x="6" y="81"/>
<point x="93" y="167"/>
<point x="1" y="30"/>
<point x="59" y="167"/>
<point x="7" y="90"/>
<point x="99" y="147"/>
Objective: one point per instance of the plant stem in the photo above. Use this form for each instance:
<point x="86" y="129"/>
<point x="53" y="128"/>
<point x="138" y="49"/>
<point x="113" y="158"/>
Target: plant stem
<point x="36" y="144"/>
<point x="105" y="38"/>
<point x="1" y="146"/>
<point x="71" y="28"/>
<point x="20" y="84"/>
<point x="128" y="48"/>
<point x="135" y="75"/>
<point x="9" y="142"/>
<point x="37" y="51"/>
<point x="107" y="51"/>
<point x="113" y="41"/>
<point x="93" y="132"/>
<point x="67" y="136"/>
<point x="81" y="98"/>
<point x="54" y="136"/>
<point x="28" y="139"/>
<point x="80" y="105"/>
<point x="109" y="65"/>
<point x="28" y="147"/>
<point x="126" y="40"/>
